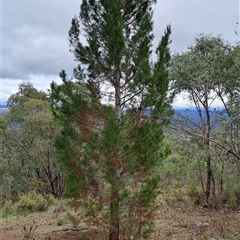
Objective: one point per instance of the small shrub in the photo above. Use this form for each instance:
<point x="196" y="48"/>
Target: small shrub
<point x="8" y="209"/>
<point x="195" y="194"/>
<point x="230" y="196"/>
<point x="28" y="230"/>
<point x="27" y="203"/>
<point x="177" y="198"/>
<point x="32" y="202"/>
<point x="52" y="200"/>
<point x="74" y="220"/>
<point x="231" y="200"/>
<point x="60" y="222"/>
<point x="14" y="196"/>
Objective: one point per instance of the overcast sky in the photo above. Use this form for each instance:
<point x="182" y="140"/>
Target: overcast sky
<point x="34" y="34"/>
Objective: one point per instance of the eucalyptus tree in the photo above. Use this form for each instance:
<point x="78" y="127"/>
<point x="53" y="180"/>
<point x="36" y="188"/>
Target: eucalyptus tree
<point x="112" y="113"/>
<point x="208" y="73"/>
<point x="28" y="135"/>
<point x="230" y="120"/>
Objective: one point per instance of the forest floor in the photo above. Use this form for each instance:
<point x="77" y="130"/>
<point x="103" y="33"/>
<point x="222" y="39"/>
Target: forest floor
<point x="175" y="223"/>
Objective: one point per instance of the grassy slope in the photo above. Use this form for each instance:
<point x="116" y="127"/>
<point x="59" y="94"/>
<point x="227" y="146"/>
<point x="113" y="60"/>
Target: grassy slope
<point x="177" y="221"/>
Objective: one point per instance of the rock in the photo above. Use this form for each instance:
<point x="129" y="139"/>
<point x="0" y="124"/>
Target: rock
<point x="176" y="224"/>
<point x="201" y="225"/>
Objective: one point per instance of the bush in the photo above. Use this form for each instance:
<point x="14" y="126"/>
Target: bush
<point x="195" y="194"/>
<point x="175" y="198"/>
<point x="32" y="202"/>
<point x="14" y="196"/>
<point x="8" y="209"/>
<point x="52" y="200"/>
<point x="229" y="197"/>
<point x="60" y="222"/>
<point x="27" y="203"/>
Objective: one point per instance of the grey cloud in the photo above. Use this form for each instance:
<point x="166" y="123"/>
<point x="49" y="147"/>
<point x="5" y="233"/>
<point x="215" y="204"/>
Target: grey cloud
<point x="36" y="54"/>
<point x="190" y="18"/>
<point x="35" y="38"/>
<point x="35" y="33"/>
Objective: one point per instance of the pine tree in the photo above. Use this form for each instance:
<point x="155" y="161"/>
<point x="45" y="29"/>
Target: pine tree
<point x="112" y="113"/>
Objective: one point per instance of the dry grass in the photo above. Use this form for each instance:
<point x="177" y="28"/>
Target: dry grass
<point x="196" y="224"/>
<point x="173" y="221"/>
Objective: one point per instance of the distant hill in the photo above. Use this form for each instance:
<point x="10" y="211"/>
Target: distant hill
<point x="3" y="105"/>
<point x="193" y="115"/>
<point x="3" y="109"/>
<point x="193" y="111"/>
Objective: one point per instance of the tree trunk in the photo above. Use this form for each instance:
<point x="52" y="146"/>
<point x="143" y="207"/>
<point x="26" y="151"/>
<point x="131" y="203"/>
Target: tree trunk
<point x="114" y="213"/>
<point x="215" y="200"/>
<point x="209" y="179"/>
<point x="115" y="198"/>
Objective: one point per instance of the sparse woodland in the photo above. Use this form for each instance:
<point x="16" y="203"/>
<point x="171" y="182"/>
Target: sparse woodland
<point x="105" y="150"/>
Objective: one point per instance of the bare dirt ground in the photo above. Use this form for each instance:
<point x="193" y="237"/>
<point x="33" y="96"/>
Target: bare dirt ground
<point x="171" y="223"/>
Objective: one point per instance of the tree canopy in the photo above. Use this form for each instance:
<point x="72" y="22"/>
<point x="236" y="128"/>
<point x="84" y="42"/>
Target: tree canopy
<point x="208" y="72"/>
<point x="28" y="133"/>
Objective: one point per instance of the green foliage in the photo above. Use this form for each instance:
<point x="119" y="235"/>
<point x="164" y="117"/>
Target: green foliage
<point x="14" y="195"/>
<point x="26" y="92"/>
<point x="183" y="161"/>
<point x="207" y="72"/>
<point x="60" y="222"/>
<point x="230" y="196"/>
<point x="31" y="202"/>
<point x="8" y="209"/>
<point x="111" y="152"/>
<point x="27" y="203"/>
<point x="202" y="66"/>
<point x="29" y="158"/>
<point x="185" y="168"/>
<point x="195" y="194"/>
